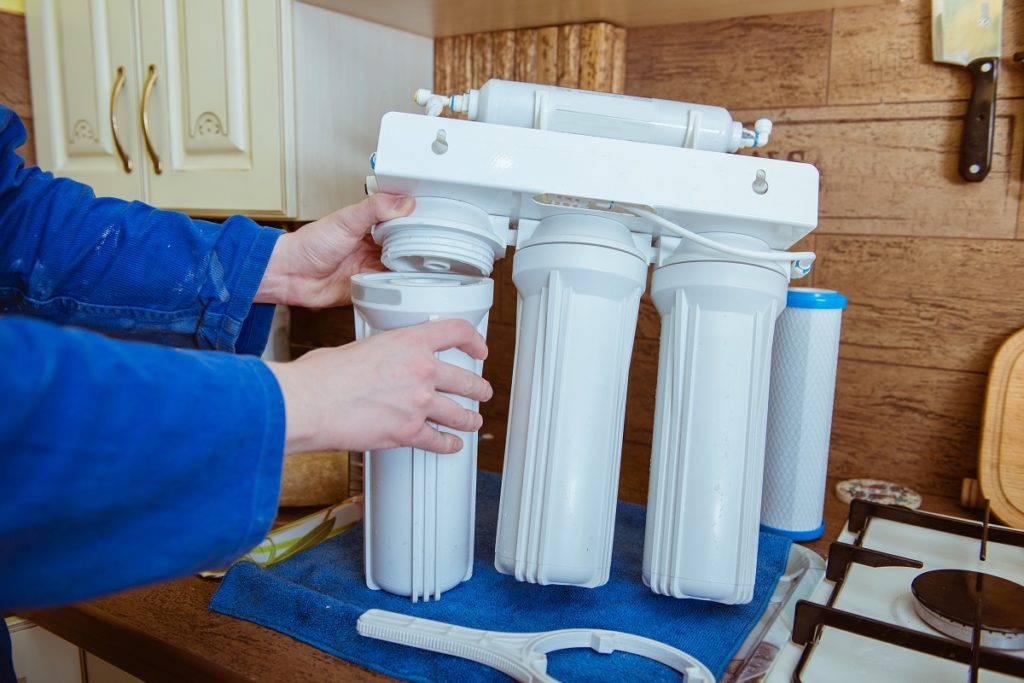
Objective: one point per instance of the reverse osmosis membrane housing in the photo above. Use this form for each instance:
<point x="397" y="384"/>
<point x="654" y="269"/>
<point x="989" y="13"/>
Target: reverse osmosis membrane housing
<point x="591" y="189"/>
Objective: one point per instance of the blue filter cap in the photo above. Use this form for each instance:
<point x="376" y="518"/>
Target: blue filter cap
<point x="811" y="297"/>
<point x="798" y="536"/>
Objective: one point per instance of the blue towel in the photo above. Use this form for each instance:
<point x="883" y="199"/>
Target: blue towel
<point x="318" y="595"/>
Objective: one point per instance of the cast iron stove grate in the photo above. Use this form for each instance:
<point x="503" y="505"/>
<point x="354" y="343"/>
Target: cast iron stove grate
<point x="978" y="608"/>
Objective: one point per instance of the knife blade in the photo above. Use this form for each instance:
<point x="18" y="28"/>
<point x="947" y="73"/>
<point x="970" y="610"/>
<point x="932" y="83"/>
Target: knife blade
<point x="969" y="33"/>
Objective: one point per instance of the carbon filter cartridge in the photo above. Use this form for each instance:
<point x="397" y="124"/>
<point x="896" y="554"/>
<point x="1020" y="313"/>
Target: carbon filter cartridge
<point x="802" y="393"/>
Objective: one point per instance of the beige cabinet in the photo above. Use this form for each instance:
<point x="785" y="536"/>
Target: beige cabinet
<point x="216" y="135"/>
<point x="197" y="105"/>
<point x="42" y="657"/>
<point x="83" y="59"/>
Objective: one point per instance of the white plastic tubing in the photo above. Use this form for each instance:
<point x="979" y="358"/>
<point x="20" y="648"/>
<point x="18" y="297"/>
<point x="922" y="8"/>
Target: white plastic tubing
<point x="579" y="280"/>
<point x="800" y="262"/>
<point x="420" y="507"/>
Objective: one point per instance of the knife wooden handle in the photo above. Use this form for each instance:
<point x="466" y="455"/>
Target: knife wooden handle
<point x="980" y="124"/>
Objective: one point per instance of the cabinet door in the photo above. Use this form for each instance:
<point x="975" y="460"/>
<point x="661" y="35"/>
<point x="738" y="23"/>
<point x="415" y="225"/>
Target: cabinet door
<point x="219" y="107"/>
<point x="77" y="48"/>
<point x="40" y="656"/>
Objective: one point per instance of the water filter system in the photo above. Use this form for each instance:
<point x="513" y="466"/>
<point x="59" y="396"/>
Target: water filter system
<point x="591" y="189"/>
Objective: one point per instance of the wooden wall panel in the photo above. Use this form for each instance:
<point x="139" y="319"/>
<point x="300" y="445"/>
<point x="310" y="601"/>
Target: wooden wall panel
<point x="569" y="56"/>
<point x="313" y="329"/>
<point x="772" y="61"/>
<point x="504" y="55"/>
<point x="15" y="91"/>
<point x="483" y="58"/>
<point x="884" y="54"/>
<point x="547" y="55"/>
<point x="1020" y="217"/>
<point x="14" y="84"/>
<point x="634" y="472"/>
<point x="917" y="426"/>
<point x="582" y="55"/>
<point x="462" y="64"/>
<point x="498" y="371"/>
<point x="526" y="55"/>
<point x="932" y="265"/>
<point x="892" y="169"/>
<point x="931" y="303"/>
<point x="443" y="64"/>
<point x="501" y="343"/>
<point x="596" y="53"/>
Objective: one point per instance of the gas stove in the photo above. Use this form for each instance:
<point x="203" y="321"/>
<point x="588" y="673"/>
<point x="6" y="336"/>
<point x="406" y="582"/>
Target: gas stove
<point x="905" y="596"/>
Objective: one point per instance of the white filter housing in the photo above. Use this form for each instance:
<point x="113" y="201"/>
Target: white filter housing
<point x="579" y="280"/>
<point x="640" y="119"/>
<point x="421" y="506"/>
<point x="800" y="412"/>
<point x="704" y="500"/>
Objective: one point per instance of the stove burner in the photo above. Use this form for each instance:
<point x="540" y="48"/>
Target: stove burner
<point x="947" y="600"/>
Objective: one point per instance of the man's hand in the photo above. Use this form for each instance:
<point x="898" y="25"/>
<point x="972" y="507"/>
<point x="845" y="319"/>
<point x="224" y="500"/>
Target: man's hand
<point x="380" y="392"/>
<point x="313" y="266"/>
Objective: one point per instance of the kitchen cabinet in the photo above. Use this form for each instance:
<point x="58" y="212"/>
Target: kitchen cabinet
<point x="213" y="107"/>
<point x="42" y="657"/>
<point x="81" y="59"/>
<point x="97" y="670"/>
<point x="217" y="136"/>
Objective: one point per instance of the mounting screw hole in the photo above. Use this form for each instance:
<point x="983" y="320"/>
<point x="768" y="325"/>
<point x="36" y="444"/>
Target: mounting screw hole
<point x="760" y="185"/>
<point x="440" y="143"/>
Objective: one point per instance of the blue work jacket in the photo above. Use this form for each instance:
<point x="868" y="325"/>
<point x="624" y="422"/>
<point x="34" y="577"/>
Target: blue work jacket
<point x="148" y="446"/>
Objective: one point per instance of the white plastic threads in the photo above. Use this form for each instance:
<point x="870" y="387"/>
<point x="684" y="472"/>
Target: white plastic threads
<point x="800" y="412"/>
<point x="420" y="507"/>
<point x="440" y="236"/>
<point x="579" y="280"/>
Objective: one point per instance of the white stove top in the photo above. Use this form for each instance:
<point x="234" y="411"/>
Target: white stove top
<point x="883" y="593"/>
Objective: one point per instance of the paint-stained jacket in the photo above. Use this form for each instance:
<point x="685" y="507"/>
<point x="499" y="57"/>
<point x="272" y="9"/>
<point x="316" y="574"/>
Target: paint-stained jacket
<point x="124" y="460"/>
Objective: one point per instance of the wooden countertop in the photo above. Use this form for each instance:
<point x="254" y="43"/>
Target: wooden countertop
<point x="167" y="633"/>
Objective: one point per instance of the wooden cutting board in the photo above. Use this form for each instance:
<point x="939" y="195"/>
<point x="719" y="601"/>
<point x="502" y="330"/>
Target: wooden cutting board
<point x="1001" y="458"/>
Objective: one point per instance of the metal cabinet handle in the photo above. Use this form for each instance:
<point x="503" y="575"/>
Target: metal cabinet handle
<point x="146" y="90"/>
<point x="118" y="85"/>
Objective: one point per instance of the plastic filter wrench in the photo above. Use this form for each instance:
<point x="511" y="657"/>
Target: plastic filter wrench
<point x="523" y="656"/>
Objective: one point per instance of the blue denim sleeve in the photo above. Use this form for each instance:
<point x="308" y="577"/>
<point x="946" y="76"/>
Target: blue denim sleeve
<point x="124" y="463"/>
<point x="125" y="268"/>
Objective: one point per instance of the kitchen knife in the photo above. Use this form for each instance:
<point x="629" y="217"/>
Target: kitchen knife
<point x="969" y="33"/>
